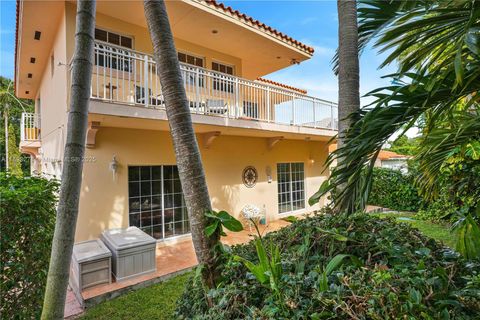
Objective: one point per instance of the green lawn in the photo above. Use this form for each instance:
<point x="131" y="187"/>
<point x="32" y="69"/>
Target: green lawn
<point x="155" y="302"/>
<point x="436" y="231"/>
<point x="158" y="301"/>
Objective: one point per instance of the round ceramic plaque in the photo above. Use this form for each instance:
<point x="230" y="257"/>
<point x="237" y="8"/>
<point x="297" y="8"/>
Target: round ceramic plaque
<point x="249" y="176"/>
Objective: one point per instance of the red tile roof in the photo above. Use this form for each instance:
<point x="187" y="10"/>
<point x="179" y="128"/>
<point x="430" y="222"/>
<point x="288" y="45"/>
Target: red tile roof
<point x="220" y="6"/>
<point x="15" y="52"/>
<point x="387" y="155"/>
<point x="382" y="155"/>
<point x="278" y="84"/>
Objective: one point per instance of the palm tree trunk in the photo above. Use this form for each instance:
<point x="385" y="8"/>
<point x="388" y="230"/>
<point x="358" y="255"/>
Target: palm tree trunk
<point x="187" y="153"/>
<point x="67" y="211"/>
<point x="348" y="70"/>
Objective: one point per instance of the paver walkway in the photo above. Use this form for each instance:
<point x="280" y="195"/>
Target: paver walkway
<point x="172" y="258"/>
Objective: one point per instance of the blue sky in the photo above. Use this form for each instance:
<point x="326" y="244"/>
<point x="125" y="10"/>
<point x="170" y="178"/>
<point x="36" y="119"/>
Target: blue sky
<point x="312" y="22"/>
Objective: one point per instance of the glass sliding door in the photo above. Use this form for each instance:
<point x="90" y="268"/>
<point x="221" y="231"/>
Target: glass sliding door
<point x="156" y="203"/>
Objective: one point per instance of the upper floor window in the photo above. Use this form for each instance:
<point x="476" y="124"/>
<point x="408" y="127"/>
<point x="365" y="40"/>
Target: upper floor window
<point x="113" y="38"/>
<point x="223" y="68"/>
<point x="191" y="77"/>
<point x="190" y="59"/>
<point x="111" y="57"/>
<point x="223" y="84"/>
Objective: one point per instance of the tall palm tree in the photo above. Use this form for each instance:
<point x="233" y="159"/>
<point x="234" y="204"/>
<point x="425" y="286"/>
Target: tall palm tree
<point x="67" y="211"/>
<point x="346" y="65"/>
<point x="187" y="153"/>
<point x="436" y="46"/>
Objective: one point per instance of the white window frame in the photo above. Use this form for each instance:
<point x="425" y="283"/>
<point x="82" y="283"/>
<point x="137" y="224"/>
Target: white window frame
<point x="162" y="196"/>
<point x="291" y="181"/>
<point x="197" y="56"/>
<point x="226" y="64"/>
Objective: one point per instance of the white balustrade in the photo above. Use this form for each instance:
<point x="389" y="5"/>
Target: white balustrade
<point x="126" y="76"/>
<point x="30" y="127"/>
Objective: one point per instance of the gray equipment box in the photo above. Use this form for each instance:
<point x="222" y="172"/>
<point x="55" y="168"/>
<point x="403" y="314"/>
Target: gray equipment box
<point x="133" y="252"/>
<point x="90" y="265"/>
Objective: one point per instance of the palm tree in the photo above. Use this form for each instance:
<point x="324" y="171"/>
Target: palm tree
<point x="187" y="153"/>
<point x="346" y="65"/>
<point x="67" y="211"/>
<point x="11" y="108"/>
<point x="435" y="44"/>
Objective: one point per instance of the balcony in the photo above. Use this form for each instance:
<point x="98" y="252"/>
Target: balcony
<point x="30" y="133"/>
<point x="127" y="77"/>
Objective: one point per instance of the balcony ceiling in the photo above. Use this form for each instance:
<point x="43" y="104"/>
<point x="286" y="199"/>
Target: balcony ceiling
<point x="33" y="18"/>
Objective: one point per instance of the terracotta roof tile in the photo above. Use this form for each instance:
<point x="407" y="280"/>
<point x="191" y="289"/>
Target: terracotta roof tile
<point x="386" y="155"/>
<point x="245" y="18"/>
<point x="278" y="84"/>
<point x="15" y="52"/>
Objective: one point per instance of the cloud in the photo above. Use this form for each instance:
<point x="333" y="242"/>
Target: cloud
<point x="308" y="20"/>
<point x="319" y="49"/>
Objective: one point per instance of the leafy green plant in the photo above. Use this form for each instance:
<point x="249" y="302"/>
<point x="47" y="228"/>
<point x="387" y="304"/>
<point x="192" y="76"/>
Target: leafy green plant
<point x="269" y="267"/>
<point x="468" y="237"/>
<point x="394" y="190"/>
<point x="27" y="222"/>
<point x="221" y="219"/>
<point x="403" y="274"/>
<point x="335" y="263"/>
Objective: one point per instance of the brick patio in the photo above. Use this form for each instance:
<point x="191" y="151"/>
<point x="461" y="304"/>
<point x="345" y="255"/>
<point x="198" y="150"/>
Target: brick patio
<point x="172" y="259"/>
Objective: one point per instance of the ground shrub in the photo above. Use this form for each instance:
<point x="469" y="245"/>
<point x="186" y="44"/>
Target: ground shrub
<point x="394" y="190"/>
<point x="403" y="275"/>
<point x="27" y="222"/>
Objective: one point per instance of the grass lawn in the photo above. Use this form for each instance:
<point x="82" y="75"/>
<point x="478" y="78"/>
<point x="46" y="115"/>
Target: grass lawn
<point x="155" y="302"/>
<point x="158" y="301"/>
<point x="438" y="232"/>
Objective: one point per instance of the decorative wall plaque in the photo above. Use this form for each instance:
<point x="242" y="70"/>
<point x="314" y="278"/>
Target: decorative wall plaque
<point x="249" y="176"/>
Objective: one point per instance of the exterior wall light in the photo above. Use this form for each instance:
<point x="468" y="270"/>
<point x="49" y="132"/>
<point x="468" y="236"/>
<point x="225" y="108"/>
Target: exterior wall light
<point x="269" y="174"/>
<point x="114" y="167"/>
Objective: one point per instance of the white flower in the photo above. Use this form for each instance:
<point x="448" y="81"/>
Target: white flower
<point x="251" y="212"/>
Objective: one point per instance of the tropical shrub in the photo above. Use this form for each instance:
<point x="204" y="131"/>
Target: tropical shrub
<point x="27" y="222"/>
<point x="394" y="273"/>
<point x="394" y="190"/>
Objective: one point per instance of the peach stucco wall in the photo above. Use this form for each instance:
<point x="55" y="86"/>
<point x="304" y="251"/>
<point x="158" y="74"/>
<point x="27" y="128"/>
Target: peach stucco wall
<point x="51" y="104"/>
<point x="104" y="198"/>
<point x="142" y="42"/>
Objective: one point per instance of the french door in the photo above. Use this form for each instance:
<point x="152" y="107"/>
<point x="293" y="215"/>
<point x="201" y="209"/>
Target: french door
<point x="156" y="203"/>
<point x="291" y="186"/>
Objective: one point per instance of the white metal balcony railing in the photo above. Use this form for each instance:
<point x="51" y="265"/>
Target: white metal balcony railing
<point x="30" y="127"/>
<point x="125" y="76"/>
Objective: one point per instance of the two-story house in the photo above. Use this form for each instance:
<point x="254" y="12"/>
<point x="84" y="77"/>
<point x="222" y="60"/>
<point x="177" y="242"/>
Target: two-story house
<point x="262" y="142"/>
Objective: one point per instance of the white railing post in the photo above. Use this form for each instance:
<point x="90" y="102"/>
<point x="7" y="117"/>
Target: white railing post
<point x="314" y="115"/>
<point x="268" y="104"/>
<point x="237" y="99"/>
<point x="145" y="81"/>
<point x="293" y="108"/>
<point x="332" y="117"/>
<point x="22" y="126"/>
<point x="197" y="88"/>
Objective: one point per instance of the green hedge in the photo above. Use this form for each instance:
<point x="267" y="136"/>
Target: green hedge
<point x="394" y="190"/>
<point x="27" y="222"/>
<point x="394" y="272"/>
